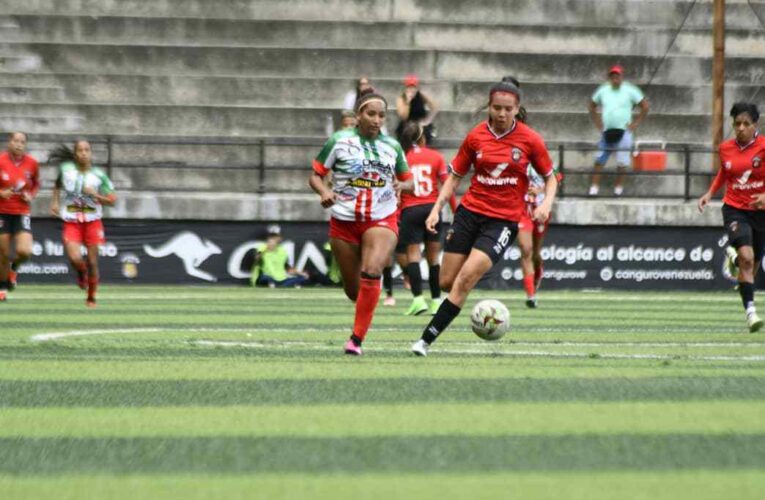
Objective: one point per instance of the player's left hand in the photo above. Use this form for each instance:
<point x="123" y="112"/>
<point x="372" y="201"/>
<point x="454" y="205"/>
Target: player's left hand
<point x="541" y="213"/>
<point x="757" y="201"/>
<point x="26" y="197"/>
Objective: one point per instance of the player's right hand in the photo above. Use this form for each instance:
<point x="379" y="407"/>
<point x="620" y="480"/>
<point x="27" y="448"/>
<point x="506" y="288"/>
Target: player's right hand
<point x="328" y="199"/>
<point x="5" y="194"/>
<point x="431" y="221"/>
<point x="703" y="201"/>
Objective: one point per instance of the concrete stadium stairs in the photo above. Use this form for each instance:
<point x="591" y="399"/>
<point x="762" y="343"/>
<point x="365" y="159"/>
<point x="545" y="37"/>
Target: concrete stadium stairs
<point x="268" y="68"/>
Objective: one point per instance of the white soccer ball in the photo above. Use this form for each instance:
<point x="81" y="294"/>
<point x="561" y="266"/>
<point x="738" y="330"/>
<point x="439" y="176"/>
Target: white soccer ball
<point x="490" y="319"/>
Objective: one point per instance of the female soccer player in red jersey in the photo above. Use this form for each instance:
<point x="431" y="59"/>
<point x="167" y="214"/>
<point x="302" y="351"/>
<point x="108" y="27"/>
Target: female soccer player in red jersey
<point x="486" y="223"/>
<point x="19" y="183"/>
<point x="81" y="191"/>
<point x="368" y="169"/>
<point x="428" y="172"/>
<point x="742" y="170"/>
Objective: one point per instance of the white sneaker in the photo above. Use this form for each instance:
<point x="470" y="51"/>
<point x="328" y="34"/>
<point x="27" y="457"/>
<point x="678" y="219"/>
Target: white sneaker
<point x="420" y="348"/>
<point x="618" y="190"/>
<point x="754" y="322"/>
<point x="594" y="190"/>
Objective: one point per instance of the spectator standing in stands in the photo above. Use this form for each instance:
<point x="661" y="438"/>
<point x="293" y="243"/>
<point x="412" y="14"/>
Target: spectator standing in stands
<point x="413" y="105"/>
<point x="272" y="263"/>
<point x="362" y="84"/>
<point x="19" y="183"/>
<point x="616" y="124"/>
<point x="347" y="119"/>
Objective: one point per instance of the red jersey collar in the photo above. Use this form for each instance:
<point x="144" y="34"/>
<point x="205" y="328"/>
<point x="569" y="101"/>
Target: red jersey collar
<point x="509" y="131"/>
<point x="754" y="139"/>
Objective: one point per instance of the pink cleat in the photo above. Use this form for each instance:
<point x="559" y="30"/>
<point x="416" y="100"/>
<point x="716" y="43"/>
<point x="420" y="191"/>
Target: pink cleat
<point x="352" y="349"/>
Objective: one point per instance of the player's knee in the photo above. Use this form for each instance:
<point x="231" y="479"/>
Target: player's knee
<point x="23" y="255"/>
<point x="746" y="262"/>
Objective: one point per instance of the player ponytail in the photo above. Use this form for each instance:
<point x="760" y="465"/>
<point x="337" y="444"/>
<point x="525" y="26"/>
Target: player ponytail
<point x="411" y="135"/>
<point x="61" y="154"/>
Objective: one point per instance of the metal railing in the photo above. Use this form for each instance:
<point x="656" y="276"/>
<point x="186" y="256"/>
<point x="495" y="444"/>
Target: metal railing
<point x="274" y="165"/>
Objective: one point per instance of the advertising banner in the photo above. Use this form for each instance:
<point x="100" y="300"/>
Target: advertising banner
<point x="576" y="257"/>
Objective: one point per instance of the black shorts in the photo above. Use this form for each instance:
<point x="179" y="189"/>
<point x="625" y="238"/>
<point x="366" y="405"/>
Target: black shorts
<point x="15" y="224"/>
<point x="745" y="228"/>
<point x="412" y="229"/>
<point x="472" y="230"/>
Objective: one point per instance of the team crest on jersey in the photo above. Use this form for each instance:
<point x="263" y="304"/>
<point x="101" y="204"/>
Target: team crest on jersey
<point x="449" y="234"/>
<point x="756" y="161"/>
<point x="516" y="153"/>
<point x="728" y="165"/>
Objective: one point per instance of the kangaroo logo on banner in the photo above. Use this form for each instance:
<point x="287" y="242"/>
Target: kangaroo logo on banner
<point x="191" y="249"/>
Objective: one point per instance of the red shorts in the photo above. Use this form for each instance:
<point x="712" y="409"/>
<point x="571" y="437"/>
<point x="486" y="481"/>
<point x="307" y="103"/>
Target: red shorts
<point x="89" y="233"/>
<point x="351" y="231"/>
<point x="528" y="225"/>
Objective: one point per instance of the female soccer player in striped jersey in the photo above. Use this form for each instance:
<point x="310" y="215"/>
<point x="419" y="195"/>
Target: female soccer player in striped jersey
<point x="81" y="191"/>
<point x="742" y="170"/>
<point x="486" y="223"/>
<point x="368" y="170"/>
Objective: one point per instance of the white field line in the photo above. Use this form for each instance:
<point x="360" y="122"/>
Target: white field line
<point x="538" y="354"/>
<point x="149" y="296"/>
<point x="46" y="337"/>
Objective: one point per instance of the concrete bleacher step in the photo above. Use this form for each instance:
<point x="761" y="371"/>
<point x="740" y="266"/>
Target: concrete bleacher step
<point x="18" y="94"/>
<point x="580" y="12"/>
<point x="329" y="92"/>
<point x="334" y="34"/>
<point x="248" y="121"/>
<point x="325" y="63"/>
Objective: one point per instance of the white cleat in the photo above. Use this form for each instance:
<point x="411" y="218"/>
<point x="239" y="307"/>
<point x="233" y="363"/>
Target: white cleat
<point x="754" y="322"/>
<point x="420" y="348"/>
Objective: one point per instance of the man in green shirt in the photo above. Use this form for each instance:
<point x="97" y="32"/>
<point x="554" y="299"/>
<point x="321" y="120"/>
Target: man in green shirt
<point x="616" y="124"/>
<point x="272" y="263"/>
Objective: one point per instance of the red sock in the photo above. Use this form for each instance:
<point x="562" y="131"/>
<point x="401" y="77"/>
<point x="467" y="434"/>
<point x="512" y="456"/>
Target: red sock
<point x="92" y="285"/>
<point x="528" y="285"/>
<point x="369" y="294"/>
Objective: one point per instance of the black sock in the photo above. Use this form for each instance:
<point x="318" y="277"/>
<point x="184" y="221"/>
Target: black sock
<point x="356" y="341"/>
<point x="14" y="266"/>
<point x="388" y="280"/>
<point x="415" y="278"/>
<point x="747" y="294"/>
<point x="435" y="289"/>
<point x="445" y="315"/>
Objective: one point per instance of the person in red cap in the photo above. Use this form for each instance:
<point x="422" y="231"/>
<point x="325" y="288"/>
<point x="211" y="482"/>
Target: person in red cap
<point x="413" y="105"/>
<point x="616" y="124"/>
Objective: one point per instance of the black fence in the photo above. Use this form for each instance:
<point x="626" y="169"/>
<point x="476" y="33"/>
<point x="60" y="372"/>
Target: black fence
<point x="281" y="165"/>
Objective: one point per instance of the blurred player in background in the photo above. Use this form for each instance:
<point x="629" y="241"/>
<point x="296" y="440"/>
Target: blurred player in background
<point x="428" y="172"/>
<point x="19" y="184"/>
<point x="81" y="192"/>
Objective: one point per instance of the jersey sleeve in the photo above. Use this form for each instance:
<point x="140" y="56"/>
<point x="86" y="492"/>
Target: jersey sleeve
<point x="33" y="190"/>
<point x="636" y="94"/>
<point x="540" y="158"/>
<point x="441" y="169"/>
<point x="465" y="156"/>
<point x="597" y="95"/>
<point x="106" y="187"/>
<point x="402" y="167"/>
<point x="325" y="160"/>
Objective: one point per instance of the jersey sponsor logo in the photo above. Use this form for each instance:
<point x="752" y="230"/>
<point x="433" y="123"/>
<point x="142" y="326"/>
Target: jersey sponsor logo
<point x="756" y="161"/>
<point x="502" y="181"/>
<point x="191" y="249"/>
<point x="361" y="182"/>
